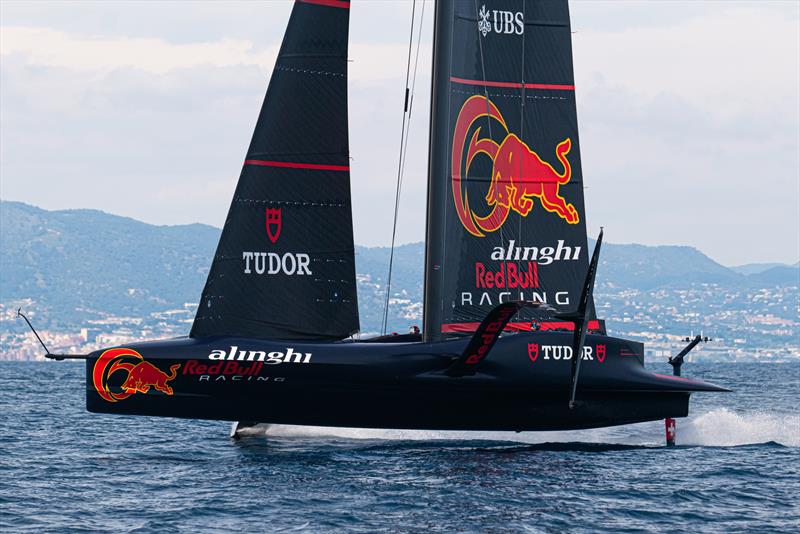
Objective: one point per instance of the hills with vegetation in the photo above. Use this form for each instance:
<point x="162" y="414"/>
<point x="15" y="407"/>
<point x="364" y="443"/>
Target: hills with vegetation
<point x="76" y="265"/>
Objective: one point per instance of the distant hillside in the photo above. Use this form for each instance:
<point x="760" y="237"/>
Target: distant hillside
<point x="76" y="260"/>
<point x="776" y="276"/>
<point x="407" y="284"/>
<point x="646" y="267"/>
<point x="79" y="263"/>
<point x="756" y="268"/>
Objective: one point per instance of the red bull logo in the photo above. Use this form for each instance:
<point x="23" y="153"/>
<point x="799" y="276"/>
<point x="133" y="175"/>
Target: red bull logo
<point x="141" y="375"/>
<point x="518" y="173"/>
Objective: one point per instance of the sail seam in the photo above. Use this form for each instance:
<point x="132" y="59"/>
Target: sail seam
<point x="514" y="85"/>
<point x="293" y="203"/>
<point x="503" y="95"/>
<point x="310" y="71"/>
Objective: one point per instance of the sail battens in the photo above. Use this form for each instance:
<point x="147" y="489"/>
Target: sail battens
<point x="311" y="71"/>
<point x="514" y="85"/>
<point x="293" y="165"/>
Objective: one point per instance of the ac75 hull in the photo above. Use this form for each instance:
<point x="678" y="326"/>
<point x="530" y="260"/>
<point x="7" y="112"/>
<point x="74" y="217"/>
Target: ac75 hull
<point x="522" y="385"/>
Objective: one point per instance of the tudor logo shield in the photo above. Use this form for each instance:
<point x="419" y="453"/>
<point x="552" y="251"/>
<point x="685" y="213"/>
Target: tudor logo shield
<point x="288" y="263"/>
<point x="273" y="218"/>
<point x="533" y="351"/>
<point x="564" y="352"/>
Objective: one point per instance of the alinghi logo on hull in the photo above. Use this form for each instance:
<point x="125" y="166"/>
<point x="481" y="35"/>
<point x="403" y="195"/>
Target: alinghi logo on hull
<point x="269" y="358"/>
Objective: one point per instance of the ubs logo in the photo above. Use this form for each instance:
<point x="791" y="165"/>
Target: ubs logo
<point x="497" y="21"/>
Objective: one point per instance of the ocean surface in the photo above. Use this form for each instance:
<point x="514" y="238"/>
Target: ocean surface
<point x="736" y="468"/>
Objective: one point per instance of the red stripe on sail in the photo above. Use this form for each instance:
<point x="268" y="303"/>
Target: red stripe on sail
<point x="330" y="3"/>
<point x="461" y="328"/>
<point x="290" y="165"/>
<point x="514" y="85"/>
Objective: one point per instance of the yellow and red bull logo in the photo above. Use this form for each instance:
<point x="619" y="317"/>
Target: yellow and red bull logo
<point x="518" y="173"/>
<point x="141" y="375"/>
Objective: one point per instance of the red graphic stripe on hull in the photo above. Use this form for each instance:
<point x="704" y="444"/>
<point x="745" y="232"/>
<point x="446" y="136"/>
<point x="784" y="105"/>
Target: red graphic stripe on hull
<point x="461" y="328"/>
<point x="514" y="85"/>
<point x="291" y="165"/>
<point x="329" y="3"/>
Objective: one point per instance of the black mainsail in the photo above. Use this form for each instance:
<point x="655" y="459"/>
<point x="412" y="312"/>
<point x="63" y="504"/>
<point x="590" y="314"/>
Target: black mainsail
<point x="284" y="267"/>
<point x="506" y="217"/>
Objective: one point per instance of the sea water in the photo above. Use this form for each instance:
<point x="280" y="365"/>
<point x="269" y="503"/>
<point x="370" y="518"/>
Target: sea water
<point x="736" y="468"/>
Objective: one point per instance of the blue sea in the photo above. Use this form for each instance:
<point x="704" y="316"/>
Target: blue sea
<point x="736" y="468"/>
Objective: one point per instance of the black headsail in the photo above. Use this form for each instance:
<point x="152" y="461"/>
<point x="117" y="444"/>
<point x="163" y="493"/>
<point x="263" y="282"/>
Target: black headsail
<point x="284" y="267"/>
<point x="506" y="217"/>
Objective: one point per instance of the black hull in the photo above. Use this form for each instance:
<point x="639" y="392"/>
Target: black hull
<point x="521" y="386"/>
<point x="517" y="412"/>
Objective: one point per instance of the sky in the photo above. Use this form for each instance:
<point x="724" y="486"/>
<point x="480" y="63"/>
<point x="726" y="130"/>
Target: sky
<point x="689" y="114"/>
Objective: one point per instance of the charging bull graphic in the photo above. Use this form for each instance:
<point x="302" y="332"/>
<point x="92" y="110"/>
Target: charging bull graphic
<point x="142" y="375"/>
<point x="518" y="173"/>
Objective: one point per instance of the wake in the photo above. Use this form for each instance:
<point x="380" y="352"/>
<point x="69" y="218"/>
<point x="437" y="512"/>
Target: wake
<point x="725" y="428"/>
<point x="716" y="428"/>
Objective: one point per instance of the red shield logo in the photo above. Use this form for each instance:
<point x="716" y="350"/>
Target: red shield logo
<point x="533" y="351"/>
<point x="601" y="353"/>
<point x="273" y="224"/>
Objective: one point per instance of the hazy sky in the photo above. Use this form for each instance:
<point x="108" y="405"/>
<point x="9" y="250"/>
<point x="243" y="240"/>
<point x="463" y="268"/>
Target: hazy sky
<point x="689" y="114"/>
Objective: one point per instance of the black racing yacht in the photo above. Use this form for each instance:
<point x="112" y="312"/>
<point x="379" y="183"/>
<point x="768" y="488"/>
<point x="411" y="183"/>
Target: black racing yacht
<point x="510" y="338"/>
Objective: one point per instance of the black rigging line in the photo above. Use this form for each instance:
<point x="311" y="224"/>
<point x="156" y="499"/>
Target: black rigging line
<point x="483" y="74"/>
<point x="401" y="159"/>
<point x="411" y="99"/>
<point x="522" y="116"/>
<point x="478" y="314"/>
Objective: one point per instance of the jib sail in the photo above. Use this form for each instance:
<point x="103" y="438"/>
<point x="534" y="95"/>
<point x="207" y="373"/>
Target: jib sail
<point x="506" y="217"/>
<point x="284" y="267"/>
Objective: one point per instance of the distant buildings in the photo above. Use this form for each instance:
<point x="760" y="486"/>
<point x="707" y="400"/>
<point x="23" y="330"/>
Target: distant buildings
<point x="746" y="325"/>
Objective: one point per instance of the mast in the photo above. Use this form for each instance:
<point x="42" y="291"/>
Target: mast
<point x="438" y="149"/>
